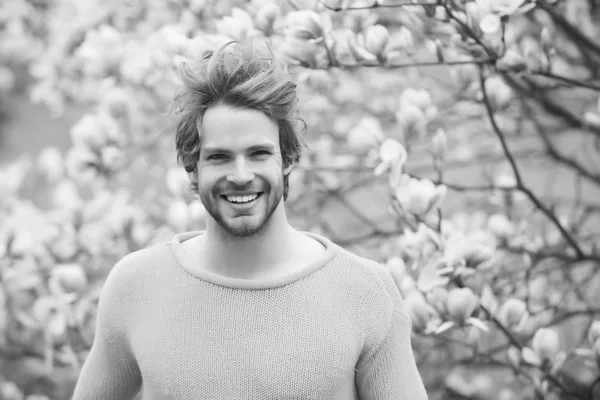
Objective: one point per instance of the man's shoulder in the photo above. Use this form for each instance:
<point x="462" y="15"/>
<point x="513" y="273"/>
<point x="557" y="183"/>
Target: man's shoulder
<point x="373" y="277"/>
<point x="362" y="265"/>
<point x="131" y="267"/>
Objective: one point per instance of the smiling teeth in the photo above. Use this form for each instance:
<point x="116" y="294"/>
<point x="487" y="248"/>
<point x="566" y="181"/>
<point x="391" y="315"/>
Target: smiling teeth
<point x="241" y="199"/>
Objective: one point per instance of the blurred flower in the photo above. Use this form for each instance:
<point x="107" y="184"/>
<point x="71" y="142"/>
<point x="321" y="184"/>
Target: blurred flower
<point x="101" y="51"/>
<point x="430" y="276"/>
<point x="512" y="61"/>
<point x="438" y="297"/>
<point x="10" y="391"/>
<point x="500" y="226"/>
<point x="178" y="214"/>
<point x="177" y="181"/>
<point x="51" y="164"/>
<point x="461" y="304"/>
<point x="418" y="196"/>
<point x="513" y="313"/>
<point x="546" y="344"/>
<point x="376" y="39"/>
<point x="420" y="244"/>
<point x="116" y="102"/>
<point x="490" y="23"/>
<point x="266" y="16"/>
<point x="304" y="24"/>
<point x="365" y="136"/>
<point x="419" y="311"/>
<point x="393" y="155"/>
<point x="96" y="131"/>
<point x="239" y="26"/>
<point x="302" y="52"/>
<point x="12" y="176"/>
<point x="594" y="332"/>
<point x="397" y="269"/>
<point x="400" y="41"/>
<point x="69" y="278"/>
<point x="66" y="195"/>
<point x="499" y="93"/>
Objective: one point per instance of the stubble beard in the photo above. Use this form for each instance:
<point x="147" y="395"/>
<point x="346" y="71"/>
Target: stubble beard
<point x="243" y="226"/>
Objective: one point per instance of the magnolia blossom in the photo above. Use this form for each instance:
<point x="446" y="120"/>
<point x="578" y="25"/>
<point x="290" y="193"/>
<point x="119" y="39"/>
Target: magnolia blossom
<point x="376" y="39"/>
<point x="238" y="26"/>
<point x="418" y="196"/>
<point x="513" y="313"/>
<point x="366" y="135"/>
<point x="304" y="24"/>
<point x="266" y="16"/>
<point x="419" y="311"/>
<point x="461" y="304"/>
<point x="546" y="344"/>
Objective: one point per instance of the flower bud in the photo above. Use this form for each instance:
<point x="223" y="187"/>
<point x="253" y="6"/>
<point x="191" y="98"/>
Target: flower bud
<point x="594" y="332"/>
<point x="499" y="93"/>
<point x="376" y="38"/>
<point x="461" y="304"/>
<point x="546" y="344"/>
<point x="490" y="24"/>
<point x="512" y="312"/>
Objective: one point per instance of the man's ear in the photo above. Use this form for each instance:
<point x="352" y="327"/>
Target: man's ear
<point x="288" y="169"/>
<point x="193" y="176"/>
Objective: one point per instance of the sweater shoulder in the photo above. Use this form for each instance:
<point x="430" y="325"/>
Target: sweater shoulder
<point x="131" y="268"/>
<point x="375" y="278"/>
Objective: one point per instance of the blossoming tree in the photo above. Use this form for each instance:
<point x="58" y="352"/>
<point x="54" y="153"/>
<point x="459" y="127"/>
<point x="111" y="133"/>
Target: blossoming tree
<point x="451" y="140"/>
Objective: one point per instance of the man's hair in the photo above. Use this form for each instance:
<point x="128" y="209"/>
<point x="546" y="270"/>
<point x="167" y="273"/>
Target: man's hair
<point x="243" y="77"/>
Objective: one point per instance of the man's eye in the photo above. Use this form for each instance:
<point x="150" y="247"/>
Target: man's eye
<point x="216" y="157"/>
<point x="261" y="153"/>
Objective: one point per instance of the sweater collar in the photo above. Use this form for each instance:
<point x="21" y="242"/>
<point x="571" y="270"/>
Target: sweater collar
<point x="239" y="283"/>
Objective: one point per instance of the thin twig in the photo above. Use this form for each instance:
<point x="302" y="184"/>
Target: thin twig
<point x="565" y="79"/>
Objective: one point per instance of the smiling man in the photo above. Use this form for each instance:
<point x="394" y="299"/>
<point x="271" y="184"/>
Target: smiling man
<point x="250" y="308"/>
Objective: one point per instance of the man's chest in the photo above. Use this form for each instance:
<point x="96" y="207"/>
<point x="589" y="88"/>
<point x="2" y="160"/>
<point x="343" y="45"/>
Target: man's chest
<point x="259" y="349"/>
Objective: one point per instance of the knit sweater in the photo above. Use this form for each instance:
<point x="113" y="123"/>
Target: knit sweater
<point x="333" y="329"/>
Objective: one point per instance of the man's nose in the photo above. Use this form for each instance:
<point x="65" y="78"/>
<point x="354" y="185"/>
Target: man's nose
<point x="241" y="175"/>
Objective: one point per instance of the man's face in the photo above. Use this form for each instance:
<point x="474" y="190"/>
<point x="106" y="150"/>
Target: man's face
<point x="240" y="170"/>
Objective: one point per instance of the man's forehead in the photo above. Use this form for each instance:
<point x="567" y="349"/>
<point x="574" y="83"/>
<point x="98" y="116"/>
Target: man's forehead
<point x="238" y="144"/>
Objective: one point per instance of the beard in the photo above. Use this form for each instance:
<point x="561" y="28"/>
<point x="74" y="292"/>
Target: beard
<point x="242" y="223"/>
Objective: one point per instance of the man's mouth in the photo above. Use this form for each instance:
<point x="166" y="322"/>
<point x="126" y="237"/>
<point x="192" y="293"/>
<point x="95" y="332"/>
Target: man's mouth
<point x="245" y="199"/>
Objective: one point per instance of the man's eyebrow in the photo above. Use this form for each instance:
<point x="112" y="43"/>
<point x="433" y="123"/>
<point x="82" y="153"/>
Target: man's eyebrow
<point x="254" y="147"/>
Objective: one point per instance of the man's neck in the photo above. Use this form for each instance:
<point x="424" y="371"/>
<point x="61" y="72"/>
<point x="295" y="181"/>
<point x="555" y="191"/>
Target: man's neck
<point x="251" y="257"/>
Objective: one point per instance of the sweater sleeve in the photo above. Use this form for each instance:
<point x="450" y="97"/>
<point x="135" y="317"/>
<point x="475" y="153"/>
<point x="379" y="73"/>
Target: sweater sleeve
<point x="389" y="370"/>
<point x="110" y="371"/>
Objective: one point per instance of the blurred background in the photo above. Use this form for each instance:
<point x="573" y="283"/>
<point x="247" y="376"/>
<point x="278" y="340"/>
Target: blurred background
<point x="454" y="141"/>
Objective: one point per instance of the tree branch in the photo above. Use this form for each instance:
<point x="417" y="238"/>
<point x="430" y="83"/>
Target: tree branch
<point x="577" y="36"/>
<point x="376" y="4"/>
<point x="518" y="178"/>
